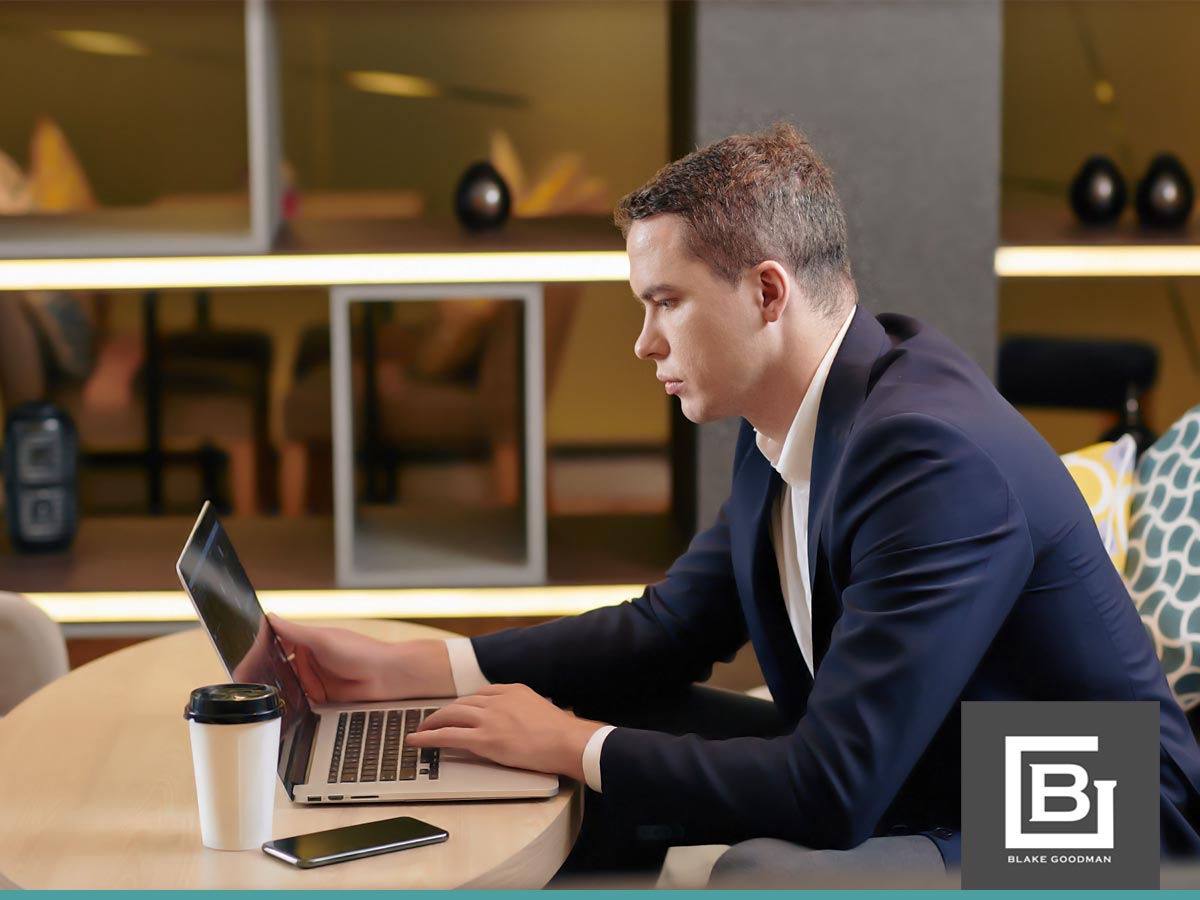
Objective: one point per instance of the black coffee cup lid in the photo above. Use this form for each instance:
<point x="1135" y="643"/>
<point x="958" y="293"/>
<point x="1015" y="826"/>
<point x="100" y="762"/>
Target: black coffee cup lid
<point x="233" y="704"/>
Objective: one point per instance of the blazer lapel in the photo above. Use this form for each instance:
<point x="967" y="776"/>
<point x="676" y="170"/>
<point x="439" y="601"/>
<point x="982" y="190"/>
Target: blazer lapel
<point x="845" y="390"/>
<point x="766" y="613"/>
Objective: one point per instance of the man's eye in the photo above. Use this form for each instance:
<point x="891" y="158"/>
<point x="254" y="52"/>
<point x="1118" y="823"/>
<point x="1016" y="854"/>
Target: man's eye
<point x="665" y="304"/>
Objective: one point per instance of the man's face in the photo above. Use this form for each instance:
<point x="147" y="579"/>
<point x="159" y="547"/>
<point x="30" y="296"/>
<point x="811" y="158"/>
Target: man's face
<point x="698" y="329"/>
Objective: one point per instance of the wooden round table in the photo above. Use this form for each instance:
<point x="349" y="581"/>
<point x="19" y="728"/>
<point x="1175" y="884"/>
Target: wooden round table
<point x="97" y="791"/>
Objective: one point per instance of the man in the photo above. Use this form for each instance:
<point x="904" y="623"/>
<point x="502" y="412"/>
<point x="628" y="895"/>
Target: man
<point x="897" y="540"/>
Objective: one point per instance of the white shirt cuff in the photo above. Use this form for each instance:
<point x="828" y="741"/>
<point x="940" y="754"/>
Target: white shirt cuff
<point x="464" y="667"/>
<point x="591" y="757"/>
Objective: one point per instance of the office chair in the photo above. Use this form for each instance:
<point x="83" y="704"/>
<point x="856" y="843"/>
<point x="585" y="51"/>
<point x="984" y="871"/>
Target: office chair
<point x="32" y="651"/>
<point x="1113" y="376"/>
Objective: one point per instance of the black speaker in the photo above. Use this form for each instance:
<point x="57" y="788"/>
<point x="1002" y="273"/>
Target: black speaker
<point x="40" y="487"/>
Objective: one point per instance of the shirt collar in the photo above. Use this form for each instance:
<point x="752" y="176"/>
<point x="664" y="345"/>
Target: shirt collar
<point x="793" y="459"/>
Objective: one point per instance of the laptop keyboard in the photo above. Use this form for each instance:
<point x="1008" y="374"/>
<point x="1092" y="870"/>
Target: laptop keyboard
<point x="370" y="746"/>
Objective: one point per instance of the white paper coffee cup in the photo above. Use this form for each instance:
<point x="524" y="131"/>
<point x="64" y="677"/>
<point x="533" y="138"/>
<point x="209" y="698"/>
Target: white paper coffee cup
<point x="234" y="732"/>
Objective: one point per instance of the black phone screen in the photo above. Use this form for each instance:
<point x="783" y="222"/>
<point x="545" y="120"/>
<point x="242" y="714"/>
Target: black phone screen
<point x="354" y="841"/>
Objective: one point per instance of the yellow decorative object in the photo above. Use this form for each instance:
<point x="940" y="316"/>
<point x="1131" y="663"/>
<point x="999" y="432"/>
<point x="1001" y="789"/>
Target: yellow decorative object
<point x="563" y="189"/>
<point x="15" y="198"/>
<point x="1104" y="474"/>
<point x="506" y="161"/>
<point x="57" y="180"/>
<point x="546" y="193"/>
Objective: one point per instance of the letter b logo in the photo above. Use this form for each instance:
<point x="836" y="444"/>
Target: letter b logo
<point x="1015" y="836"/>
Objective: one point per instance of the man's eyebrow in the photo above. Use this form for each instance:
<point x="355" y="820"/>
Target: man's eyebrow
<point x="660" y="288"/>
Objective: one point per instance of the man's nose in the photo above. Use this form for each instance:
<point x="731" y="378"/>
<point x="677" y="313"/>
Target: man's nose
<point x="649" y="344"/>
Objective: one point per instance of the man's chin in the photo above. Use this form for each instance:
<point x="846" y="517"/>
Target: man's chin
<point x="696" y="413"/>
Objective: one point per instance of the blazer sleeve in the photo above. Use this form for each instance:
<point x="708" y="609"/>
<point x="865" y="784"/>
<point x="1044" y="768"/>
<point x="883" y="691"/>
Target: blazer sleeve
<point x="936" y="552"/>
<point x="669" y="636"/>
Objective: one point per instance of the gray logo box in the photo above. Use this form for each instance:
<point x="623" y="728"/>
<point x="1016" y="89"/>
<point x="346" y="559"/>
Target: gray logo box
<point x="1029" y="773"/>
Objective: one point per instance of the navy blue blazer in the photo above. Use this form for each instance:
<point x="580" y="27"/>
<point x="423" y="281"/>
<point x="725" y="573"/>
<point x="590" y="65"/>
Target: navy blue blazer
<point x="952" y="558"/>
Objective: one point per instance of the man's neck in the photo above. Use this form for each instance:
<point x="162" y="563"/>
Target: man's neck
<point x="787" y="382"/>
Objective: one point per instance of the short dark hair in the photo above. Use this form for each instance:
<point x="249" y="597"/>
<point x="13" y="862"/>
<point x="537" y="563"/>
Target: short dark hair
<point x="752" y="197"/>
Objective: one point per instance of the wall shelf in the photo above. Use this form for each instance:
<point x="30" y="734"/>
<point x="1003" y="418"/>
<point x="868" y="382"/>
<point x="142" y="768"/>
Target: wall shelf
<point x="291" y="564"/>
<point x="1050" y="244"/>
<point x="576" y="249"/>
<point x="354" y="253"/>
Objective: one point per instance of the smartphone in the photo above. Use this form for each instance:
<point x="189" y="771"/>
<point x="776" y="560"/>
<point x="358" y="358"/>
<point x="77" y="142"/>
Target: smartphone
<point x="322" y="848"/>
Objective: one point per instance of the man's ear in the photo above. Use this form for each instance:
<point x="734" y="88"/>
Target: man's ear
<point x="774" y="289"/>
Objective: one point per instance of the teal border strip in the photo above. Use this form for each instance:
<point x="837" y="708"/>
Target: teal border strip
<point x="633" y="894"/>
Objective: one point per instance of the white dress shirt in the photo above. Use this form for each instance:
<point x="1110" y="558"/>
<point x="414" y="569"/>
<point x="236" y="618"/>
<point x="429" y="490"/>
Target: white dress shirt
<point x="789" y="535"/>
<point x="789" y="517"/>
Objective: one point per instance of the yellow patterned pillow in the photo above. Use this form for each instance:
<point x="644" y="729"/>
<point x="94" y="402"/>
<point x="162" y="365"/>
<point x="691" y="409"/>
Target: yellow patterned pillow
<point x="1104" y="473"/>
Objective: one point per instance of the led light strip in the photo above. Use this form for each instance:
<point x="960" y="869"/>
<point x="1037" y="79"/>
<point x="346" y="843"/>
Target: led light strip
<point x="284" y="271"/>
<point x="1098" y="262"/>
<point x="441" y="603"/>
<point x="467" y="268"/>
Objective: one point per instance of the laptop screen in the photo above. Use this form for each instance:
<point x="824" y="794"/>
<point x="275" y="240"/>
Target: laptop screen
<point x="230" y="611"/>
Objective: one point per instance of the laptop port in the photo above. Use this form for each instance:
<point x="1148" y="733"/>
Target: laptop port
<point x="337" y="796"/>
<point x="364" y="796"/>
<point x="314" y="799"/>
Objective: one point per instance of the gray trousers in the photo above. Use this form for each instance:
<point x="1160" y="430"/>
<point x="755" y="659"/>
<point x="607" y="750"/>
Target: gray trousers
<point x="908" y="861"/>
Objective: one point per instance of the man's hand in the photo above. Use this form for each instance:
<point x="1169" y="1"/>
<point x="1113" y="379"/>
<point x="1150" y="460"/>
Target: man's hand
<point x="512" y="725"/>
<point x="337" y="665"/>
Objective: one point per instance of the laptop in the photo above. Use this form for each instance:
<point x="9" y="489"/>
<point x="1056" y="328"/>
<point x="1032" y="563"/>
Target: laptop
<point x="332" y="753"/>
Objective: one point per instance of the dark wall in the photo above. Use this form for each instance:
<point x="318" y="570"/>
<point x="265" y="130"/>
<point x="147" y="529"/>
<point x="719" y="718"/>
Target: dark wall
<point x="903" y="101"/>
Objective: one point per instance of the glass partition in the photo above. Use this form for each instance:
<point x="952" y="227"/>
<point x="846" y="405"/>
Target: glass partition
<point x="439" y="457"/>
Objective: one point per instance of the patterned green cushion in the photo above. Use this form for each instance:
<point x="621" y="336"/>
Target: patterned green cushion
<point x="1163" y="565"/>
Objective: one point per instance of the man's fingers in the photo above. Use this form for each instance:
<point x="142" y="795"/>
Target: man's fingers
<point x="468" y="716"/>
<point x="297" y="633"/>
<point x="491" y="690"/>
<point x="283" y="632"/>
<point x="290" y="634"/>
<point x="309" y="677"/>
<point x="455" y="738"/>
<point x="471" y="700"/>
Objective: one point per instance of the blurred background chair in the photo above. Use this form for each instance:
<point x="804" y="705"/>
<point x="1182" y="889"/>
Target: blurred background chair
<point x="32" y="651"/>
<point x="1111" y="376"/>
<point x="198" y="397"/>
<point x="445" y="388"/>
<point x="32" y="654"/>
